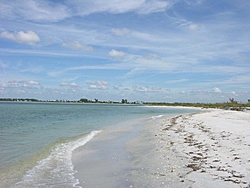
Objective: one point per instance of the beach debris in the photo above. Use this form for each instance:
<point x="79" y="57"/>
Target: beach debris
<point x="216" y="160"/>
<point x="194" y="166"/>
<point x="172" y="169"/>
<point x="237" y="175"/>
<point x="203" y="145"/>
<point x="236" y="158"/>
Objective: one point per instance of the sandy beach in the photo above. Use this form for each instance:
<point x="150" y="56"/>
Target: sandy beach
<point x="206" y="149"/>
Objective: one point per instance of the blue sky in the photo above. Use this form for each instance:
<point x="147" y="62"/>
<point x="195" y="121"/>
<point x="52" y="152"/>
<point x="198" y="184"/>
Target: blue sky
<point x="146" y="50"/>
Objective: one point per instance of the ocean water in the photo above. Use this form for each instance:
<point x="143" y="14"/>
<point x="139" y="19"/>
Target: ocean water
<point x="37" y="139"/>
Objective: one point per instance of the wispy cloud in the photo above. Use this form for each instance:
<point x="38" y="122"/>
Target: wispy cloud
<point x="121" y="32"/>
<point x="176" y="81"/>
<point x="49" y="11"/>
<point x="111" y="66"/>
<point x="56" y="53"/>
<point x="40" y="11"/>
<point x="116" y="6"/>
<point x="77" y="46"/>
<point x="154" y="6"/>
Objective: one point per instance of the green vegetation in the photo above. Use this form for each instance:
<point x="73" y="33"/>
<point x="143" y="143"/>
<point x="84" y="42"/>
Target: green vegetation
<point x="21" y="100"/>
<point x="32" y="100"/>
<point x="124" y="101"/>
<point x="84" y="100"/>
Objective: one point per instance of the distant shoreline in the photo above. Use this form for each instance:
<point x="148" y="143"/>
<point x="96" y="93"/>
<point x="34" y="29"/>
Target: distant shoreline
<point x="225" y="106"/>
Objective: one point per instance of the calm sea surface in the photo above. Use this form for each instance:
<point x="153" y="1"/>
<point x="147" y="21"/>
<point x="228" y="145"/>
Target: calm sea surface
<point x="37" y="139"/>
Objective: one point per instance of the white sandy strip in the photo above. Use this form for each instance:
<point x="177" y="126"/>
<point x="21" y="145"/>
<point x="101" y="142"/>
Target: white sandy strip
<point x="208" y="149"/>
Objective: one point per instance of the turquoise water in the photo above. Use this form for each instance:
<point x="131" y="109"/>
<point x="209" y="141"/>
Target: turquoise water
<point x="37" y="139"/>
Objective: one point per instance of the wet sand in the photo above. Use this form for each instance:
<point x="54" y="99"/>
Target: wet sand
<point x="104" y="161"/>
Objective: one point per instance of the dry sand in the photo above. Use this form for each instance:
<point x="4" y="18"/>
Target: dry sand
<point x="207" y="149"/>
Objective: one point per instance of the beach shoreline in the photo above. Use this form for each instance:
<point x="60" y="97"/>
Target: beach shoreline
<point x="209" y="148"/>
<point x="206" y="149"/>
<point x="58" y="132"/>
<point x="104" y="161"/>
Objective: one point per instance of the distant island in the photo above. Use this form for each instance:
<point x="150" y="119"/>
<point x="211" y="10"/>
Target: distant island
<point x="82" y="100"/>
<point x="230" y="105"/>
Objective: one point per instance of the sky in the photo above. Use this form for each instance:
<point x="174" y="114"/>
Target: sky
<point x="139" y="50"/>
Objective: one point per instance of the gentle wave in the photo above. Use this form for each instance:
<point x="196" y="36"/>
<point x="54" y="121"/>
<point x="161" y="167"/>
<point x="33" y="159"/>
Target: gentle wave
<point x="57" y="170"/>
<point x="155" y="117"/>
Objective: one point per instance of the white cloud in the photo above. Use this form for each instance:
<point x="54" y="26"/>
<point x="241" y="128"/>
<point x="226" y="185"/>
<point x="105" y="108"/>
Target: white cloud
<point x="64" y="84"/>
<point x="234" y="93"/>
<point x="31" y="82"/>
<point x="115" y="53"/>
<point x="30" y="37"/>
<point x="103" y="85"/>
<point x="21" y="84"/>
<point x="73" y="84"/>
<point x="146" y="89"/>
<point x="193" y="27"/>
<point x="121" y="32"/>
<point x="4" y="85"/>
<point x="12" y="84"/>
<point x="77" y="46"/>
<point x="156" y="88"/>
<point x="142" y="89"/>
<point x="217" y="90"/>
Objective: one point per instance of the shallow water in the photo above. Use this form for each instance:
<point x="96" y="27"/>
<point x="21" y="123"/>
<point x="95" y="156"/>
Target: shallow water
<point x="37" y="139"/>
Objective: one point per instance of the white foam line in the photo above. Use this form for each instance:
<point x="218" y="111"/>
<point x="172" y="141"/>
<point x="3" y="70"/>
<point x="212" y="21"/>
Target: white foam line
<point x="57" y="169"/>
<point x="155" y="117"/>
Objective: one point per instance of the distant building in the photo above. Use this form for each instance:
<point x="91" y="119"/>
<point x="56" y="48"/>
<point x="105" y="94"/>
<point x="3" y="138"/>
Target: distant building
<point x="249" y="101"/>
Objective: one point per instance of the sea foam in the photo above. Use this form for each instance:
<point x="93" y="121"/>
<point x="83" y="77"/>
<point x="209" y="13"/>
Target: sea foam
<point x="155" y="117"/>
<point x="56" y="170"/>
